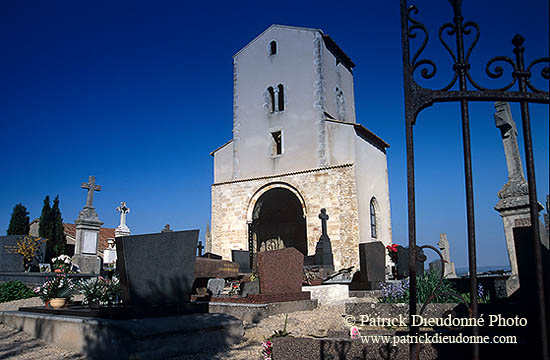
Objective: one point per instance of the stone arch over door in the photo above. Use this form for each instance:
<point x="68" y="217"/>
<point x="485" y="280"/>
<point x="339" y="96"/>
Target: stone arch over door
<point x="277" y="218"/>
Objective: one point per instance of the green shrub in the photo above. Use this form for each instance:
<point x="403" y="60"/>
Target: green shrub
<point x="14" y="290"/>
<point x="425" y="285"/>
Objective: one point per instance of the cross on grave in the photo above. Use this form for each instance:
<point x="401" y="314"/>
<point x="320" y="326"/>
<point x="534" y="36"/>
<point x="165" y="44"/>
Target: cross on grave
<point x="323" y="250"/>
<point x="200" y="247"/>
<point x="91" y="187"/>
<point x="123" y="210"/>
<point x="324" y="217"/>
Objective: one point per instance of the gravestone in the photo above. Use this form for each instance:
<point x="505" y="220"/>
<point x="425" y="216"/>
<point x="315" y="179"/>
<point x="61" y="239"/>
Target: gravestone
<point x="212" y="268"/>
<point x="87" y="233"/>
<point x="157" y="269"/>
<point x="280" y="273"/>
<point x="122" y="229"/>
<point x="280" y="279"/>
<point x="513" y="204"/>
<point x="242" y="257"/>
<point x="403" y="262"/>
<point x="10" y="260"/>
<point x="372" y="259"/>
<point x="215" y="286"/>
<point x="444" y="247"/>
<point x="323" y="251"/>
<point x="250" y="288"/>
<point x="109" y="254"/>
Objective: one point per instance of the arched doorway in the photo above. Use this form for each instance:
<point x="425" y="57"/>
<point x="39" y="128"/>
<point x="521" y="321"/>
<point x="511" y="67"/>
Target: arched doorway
<point x="278" y="221"/>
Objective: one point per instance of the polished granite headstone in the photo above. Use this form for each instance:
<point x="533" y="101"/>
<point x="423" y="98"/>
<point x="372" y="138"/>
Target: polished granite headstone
<point x="242" y="257"/>
<point x="157" y="269"/>
<point x="372" y="259"/>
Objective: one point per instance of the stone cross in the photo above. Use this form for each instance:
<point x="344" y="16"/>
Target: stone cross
<point x="91" y="187"/>
<point x="166" y="228"/>
<point x="443" y="244"/>
<point x="200" y="247"/>
<point x="324" y="217"/>
<point x="123" y="210"/>
<point x="509" y="133"/>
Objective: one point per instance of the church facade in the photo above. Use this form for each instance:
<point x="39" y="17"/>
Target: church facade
<point x="297" y="148"/>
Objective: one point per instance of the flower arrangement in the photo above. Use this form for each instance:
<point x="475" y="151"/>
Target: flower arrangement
<point x="100" y="291"/>
<point x="62" y="264"/>
<point x="267" y="345"/>
<point x="267" y="349"/>
<point x="58" y="287"/>
<point x="27" y="246"/>
<point x="392" y="251"/>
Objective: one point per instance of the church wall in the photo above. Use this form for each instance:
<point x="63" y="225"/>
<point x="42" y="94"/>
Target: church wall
<point x="223" y="163"/>
<point x="332" y="188"/>
<point x="336" y="75"/>
<point x="372" y="180"/>
<point x="256" y="70"/>
<point x="341" y="138"/>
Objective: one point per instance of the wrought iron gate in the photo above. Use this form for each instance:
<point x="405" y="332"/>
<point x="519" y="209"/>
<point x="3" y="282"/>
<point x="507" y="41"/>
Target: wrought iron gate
<point x="520" y="89"/>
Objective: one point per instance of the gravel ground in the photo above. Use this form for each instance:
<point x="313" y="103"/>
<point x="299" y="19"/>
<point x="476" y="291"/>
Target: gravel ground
<point x="15" y="345"/>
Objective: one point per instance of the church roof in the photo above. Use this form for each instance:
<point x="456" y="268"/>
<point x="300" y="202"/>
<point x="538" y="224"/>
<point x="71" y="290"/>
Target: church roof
<point x="365" y="133"/>
<point x="329" y="42"/>
<point x="220" y="147"/>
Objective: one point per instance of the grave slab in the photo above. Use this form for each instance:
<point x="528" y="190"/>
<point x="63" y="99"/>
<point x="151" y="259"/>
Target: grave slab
<point x="253" y="313"/>
<point x="328" y="294"/>
<point x="151" y="338"/>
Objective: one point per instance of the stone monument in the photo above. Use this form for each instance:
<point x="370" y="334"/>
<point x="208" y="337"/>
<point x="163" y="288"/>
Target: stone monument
<point x="323" y="250"/>
<point x="444" y="247"/>
<point x="513" y="205"/>
<point x="208" y="239"/>
<point x="87" y="233"/>
<point x="122" y="229"/>
<point x="109" y="254"/>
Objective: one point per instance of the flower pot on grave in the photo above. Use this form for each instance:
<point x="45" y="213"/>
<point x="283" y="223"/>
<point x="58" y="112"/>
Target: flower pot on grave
<point x="57" y="303"/>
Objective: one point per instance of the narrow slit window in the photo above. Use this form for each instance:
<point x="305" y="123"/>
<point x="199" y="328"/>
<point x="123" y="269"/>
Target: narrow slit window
<point x="271" y="93"/>
<point x="277" y="143"/>
<point x="373" y="233"/>
<point x="273" y="48"/>
<point x="281" y="97"/>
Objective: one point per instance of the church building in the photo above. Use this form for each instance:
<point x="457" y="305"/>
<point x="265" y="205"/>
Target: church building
<point x="297" y="148"/>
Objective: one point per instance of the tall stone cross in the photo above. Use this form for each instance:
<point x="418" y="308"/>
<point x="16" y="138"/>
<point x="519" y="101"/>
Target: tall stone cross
<point x="443" y="244"/>
<point x="509" y="133"/>
<point x="91" y="187"/>
<point x="123" y="210"/>
<point x="200" y="247"/>
<point x="324" y="217"/>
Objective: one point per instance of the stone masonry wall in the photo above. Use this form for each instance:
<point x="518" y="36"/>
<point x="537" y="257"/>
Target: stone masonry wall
<point x="332" y="188"/>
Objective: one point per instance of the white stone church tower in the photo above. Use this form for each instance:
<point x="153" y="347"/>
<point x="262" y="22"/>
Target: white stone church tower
<point x="297" y="148"/>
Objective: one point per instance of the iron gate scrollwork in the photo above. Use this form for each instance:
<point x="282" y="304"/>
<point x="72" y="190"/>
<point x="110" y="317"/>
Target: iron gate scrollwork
<point x="418" y="98"/>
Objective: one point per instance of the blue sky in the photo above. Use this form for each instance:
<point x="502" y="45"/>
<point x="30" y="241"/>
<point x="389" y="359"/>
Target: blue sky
<point x="139" y="93"/>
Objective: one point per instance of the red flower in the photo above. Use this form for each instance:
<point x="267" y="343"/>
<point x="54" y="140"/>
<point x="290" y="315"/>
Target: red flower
<point x="392" y="248"/>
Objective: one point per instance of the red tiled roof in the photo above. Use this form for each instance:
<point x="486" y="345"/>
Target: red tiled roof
<point x="104" y="234"/>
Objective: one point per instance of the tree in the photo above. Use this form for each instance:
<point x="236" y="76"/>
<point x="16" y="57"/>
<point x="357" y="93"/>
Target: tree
<point x="51" y="228"/>
<point x="19" y="222"/>
<point x="44" y="227"/>
<point x="58" y="232"/>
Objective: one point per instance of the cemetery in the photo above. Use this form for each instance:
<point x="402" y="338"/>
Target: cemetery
<point x="300" y="262"/>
